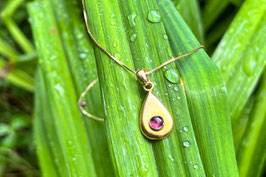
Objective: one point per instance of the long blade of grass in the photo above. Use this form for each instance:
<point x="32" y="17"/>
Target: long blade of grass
<point x="82" y="67"/>
<point x="16" y="76"/>
<point x="242" y="121"/>
<point x="212" y="10"/>
<point x="190" y="11"/>
<point x="208" y="108"/>
<point x="251" y="154"/>
<point x="7" y="51"/>
<point x="60" y="91"/>
<point x="18" y="36"/>
<point x="51" y="159"/>
<point x="241" y="54"/>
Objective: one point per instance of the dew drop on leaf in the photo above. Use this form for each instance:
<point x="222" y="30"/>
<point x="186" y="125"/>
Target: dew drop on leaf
<point x="186" y="144"/>
<point x="165" y="36"/>
<point x="133" y="37"/>
<point x="249" y="65"/>
<point x="196" y="166"/>
<point x="83" y="55"/>
<point x="185" y="128"/>
<point x="171" y="75"/>
<point x="154" y="16"/>
<point x="114" y="45"/>
<point x="131" y="19"/>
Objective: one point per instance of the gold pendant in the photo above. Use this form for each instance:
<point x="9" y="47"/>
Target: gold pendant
<point x="155" y="121"/>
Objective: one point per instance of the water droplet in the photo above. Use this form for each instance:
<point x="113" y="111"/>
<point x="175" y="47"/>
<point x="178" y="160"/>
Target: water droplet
<point x="112" y="23"/>
<point x="80" y="36"/>
<point x="179" y="98"/>
<point x="83" y="55"/>
<point x="185" y="128"/>
<point x="165" y="36"/>
<point x="117" y="55"/>
<point x="114" y="45"/>
<point x="196" y="166"/>
<point x="154" y="16"/>
<point x="74" y="158"/>
<point x="186" y="144"/>
<point x="169" y="51"/>
<point x="224" y="68"/>
<point x="249" y="65"/>
<point x="176" y="88"/>
<point x="133" y="37"/>
<point x="170" y="157"/>
<point x="131" y="19"/>
<point x="223" y="90"/>
<point x="171" y="75"/>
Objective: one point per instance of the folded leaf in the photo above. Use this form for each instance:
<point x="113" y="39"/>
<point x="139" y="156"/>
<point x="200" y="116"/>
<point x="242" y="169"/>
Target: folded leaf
<point x="206" y="97"/>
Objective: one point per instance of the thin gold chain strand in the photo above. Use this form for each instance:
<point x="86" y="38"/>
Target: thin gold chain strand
<point x="122" y="64"/>
<point x="174" y="59"/>
<point x="99" y="45"/>
<point x="81" y="98"/>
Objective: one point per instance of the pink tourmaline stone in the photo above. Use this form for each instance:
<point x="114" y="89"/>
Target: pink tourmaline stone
<point x="83" y="103"/>
<point x="156" y="123"/>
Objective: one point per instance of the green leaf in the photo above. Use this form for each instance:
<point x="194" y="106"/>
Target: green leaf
<point x="51" y="158"/>
<point x="19" y="122"/>
<point x="206" y="98"/>
<point x="61" y="91"/>
<point x="215" y="34"/>
<point x="7" y="51"/>
<point x="242" y="121"/>
<point x="18" y="35"/>
<point x="10" y="8"/>
<point x="80" y="64"/>
<point x="251" y="154"/>
<point x="212" y="11"/>
<point x="241" y="54"/>
<point x="4" y="128"/>
<point x="17" y="76"/>
<point x="189" y="9"/>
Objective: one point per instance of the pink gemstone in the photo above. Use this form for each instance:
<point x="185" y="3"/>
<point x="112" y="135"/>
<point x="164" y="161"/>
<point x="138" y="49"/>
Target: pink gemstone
<point x="83" y="103"/>
<point x="156" y="123"/>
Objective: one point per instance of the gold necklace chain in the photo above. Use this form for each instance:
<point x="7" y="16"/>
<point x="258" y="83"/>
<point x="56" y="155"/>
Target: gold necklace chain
<point x="141" y="74"/>
<point x="122" y="64"/>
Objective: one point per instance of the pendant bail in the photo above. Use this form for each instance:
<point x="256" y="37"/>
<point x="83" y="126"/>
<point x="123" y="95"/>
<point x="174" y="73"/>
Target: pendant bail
<point x="142" y="76"/>
<point x="144" y="79"/>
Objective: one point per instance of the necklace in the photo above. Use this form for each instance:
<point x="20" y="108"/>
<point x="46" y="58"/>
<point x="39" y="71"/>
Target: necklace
<point x="155" y="120"/>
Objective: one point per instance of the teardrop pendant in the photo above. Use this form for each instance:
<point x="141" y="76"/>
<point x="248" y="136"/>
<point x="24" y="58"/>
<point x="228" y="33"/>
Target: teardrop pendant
<point x="155" y="121"/>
